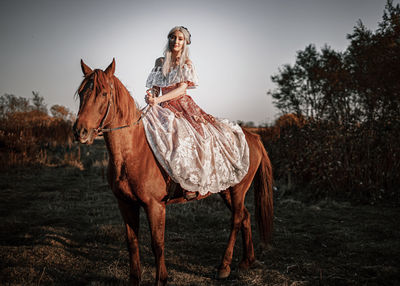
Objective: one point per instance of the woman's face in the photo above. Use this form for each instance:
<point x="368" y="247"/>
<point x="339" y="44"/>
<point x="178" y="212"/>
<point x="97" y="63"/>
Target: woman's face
<point x="176" y="41"/>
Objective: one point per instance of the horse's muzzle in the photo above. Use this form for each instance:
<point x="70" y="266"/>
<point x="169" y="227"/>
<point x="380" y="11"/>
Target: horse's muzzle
<point x="83" y="135"/>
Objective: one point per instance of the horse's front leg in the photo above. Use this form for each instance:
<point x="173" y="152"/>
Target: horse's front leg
<point x="130" y="214"/>
<point x="156" y="216"/>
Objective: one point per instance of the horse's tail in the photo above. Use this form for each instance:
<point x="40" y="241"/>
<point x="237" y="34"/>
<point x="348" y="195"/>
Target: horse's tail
<point x="263" y="196"/>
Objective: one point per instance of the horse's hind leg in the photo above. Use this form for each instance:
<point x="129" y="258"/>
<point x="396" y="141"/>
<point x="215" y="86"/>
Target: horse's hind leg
<point x="130" y="214"/>
<point x="236" y="221"/>
<point x="248" y="249"/>
<point x="237" y="195"/>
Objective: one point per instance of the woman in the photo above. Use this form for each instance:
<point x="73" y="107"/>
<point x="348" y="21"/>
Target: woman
<point x="201" y="153"/>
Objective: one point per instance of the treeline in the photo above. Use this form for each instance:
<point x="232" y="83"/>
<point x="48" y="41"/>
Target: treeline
<point x="357" y="85"/>
<point x="345" y="138"/>
<point x="28" y="132"/>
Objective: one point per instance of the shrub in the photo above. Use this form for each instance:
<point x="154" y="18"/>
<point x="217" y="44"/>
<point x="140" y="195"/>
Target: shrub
<point x="359" y="161"/>
<point x="28" y="134"/>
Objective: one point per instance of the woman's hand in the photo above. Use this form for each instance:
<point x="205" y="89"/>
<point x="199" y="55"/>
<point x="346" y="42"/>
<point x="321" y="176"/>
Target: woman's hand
<point x="150" y="99"/>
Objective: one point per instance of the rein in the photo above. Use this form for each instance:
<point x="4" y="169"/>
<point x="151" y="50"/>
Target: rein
<point x="100" y="130"/>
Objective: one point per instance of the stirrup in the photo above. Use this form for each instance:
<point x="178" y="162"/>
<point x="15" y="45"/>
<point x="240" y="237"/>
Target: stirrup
<point x="190" y="195"/>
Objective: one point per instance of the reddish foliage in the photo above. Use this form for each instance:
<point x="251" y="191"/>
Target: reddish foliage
<point x="26" y="136"/>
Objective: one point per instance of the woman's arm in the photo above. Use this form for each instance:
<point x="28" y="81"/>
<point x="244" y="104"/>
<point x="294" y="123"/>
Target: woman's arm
<point x="180" y="90"/>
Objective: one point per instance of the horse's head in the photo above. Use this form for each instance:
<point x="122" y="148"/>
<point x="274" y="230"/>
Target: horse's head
<point x="96" y="96"/>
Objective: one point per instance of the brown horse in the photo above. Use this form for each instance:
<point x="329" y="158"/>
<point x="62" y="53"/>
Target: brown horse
<point x="137" y="180"/>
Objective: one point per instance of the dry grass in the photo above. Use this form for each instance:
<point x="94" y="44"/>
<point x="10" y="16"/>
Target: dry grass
<point x="61" y="226"/>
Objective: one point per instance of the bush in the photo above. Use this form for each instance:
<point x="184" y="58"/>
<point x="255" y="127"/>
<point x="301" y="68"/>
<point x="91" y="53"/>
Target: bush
<point x="28" y="134"/>
<point x="359" y="162"/>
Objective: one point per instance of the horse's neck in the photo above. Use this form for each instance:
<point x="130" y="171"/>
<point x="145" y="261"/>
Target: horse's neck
<point x="125" y="111"/>
<point x="120" y="142"/>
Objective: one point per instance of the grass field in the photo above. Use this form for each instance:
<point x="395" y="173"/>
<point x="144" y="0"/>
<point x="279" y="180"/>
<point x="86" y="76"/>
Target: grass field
<point x="61" y="226"/>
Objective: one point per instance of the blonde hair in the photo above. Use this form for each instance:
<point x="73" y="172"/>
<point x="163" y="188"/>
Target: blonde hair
<point x="168" y="53"/>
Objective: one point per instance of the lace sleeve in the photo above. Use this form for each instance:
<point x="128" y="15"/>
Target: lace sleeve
<point x="155" y="78"/>
<point x="186" y="73"/>
<point x="189" y="76"/>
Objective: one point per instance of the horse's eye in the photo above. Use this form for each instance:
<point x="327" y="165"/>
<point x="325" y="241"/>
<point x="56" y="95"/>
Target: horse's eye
<point x="104" y="93"/>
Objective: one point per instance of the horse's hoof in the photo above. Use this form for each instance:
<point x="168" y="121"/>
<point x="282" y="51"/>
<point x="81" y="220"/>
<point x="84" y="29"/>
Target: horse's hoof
<point x="224" y="273"/>
<point x="246" y="263"/>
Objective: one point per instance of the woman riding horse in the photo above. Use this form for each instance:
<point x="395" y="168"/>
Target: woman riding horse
<point x="138" y="180"/>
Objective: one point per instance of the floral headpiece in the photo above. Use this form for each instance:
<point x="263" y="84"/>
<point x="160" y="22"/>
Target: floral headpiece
<point x="180" y="28"/>
<point x="188" y="41"/>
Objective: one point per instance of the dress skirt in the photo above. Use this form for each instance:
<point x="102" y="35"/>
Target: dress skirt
<point x="198" y="151"/>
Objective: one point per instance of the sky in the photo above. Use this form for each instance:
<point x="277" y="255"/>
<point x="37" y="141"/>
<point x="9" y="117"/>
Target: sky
<point x="237" y="45"/>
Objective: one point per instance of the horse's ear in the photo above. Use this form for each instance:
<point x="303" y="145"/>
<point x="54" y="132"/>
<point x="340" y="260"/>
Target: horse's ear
<point x="111" y="69"/>
<point x="85" y="69"/>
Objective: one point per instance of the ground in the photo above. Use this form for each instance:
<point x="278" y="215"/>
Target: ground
<point x="61" y="226"/>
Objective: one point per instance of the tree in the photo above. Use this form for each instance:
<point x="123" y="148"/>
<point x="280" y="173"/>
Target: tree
<point x="358" y="84"/>
<point x="61" y="112"/>
<point x="307" y="88"/>
<point x="38" y="102"/>
<point x="337" y="102"/>
<point x="9" y="103"/>
<point x="285" y="94"/>
<point x="374" y="62"/>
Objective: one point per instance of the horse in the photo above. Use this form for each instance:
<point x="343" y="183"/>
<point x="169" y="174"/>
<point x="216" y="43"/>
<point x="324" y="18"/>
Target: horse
<point x="137" y="180"/>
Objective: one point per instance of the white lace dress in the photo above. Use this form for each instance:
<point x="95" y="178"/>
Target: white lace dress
<point x="198" y="151"/>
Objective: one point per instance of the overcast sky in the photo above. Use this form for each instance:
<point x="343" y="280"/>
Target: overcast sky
<point x="236" y="45"/>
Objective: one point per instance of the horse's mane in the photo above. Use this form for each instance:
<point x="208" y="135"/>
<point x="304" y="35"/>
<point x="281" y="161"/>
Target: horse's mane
<point x="122" y="95"/>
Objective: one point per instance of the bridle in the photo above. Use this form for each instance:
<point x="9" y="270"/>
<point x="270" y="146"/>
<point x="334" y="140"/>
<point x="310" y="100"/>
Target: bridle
<point x="100" y="130"/>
